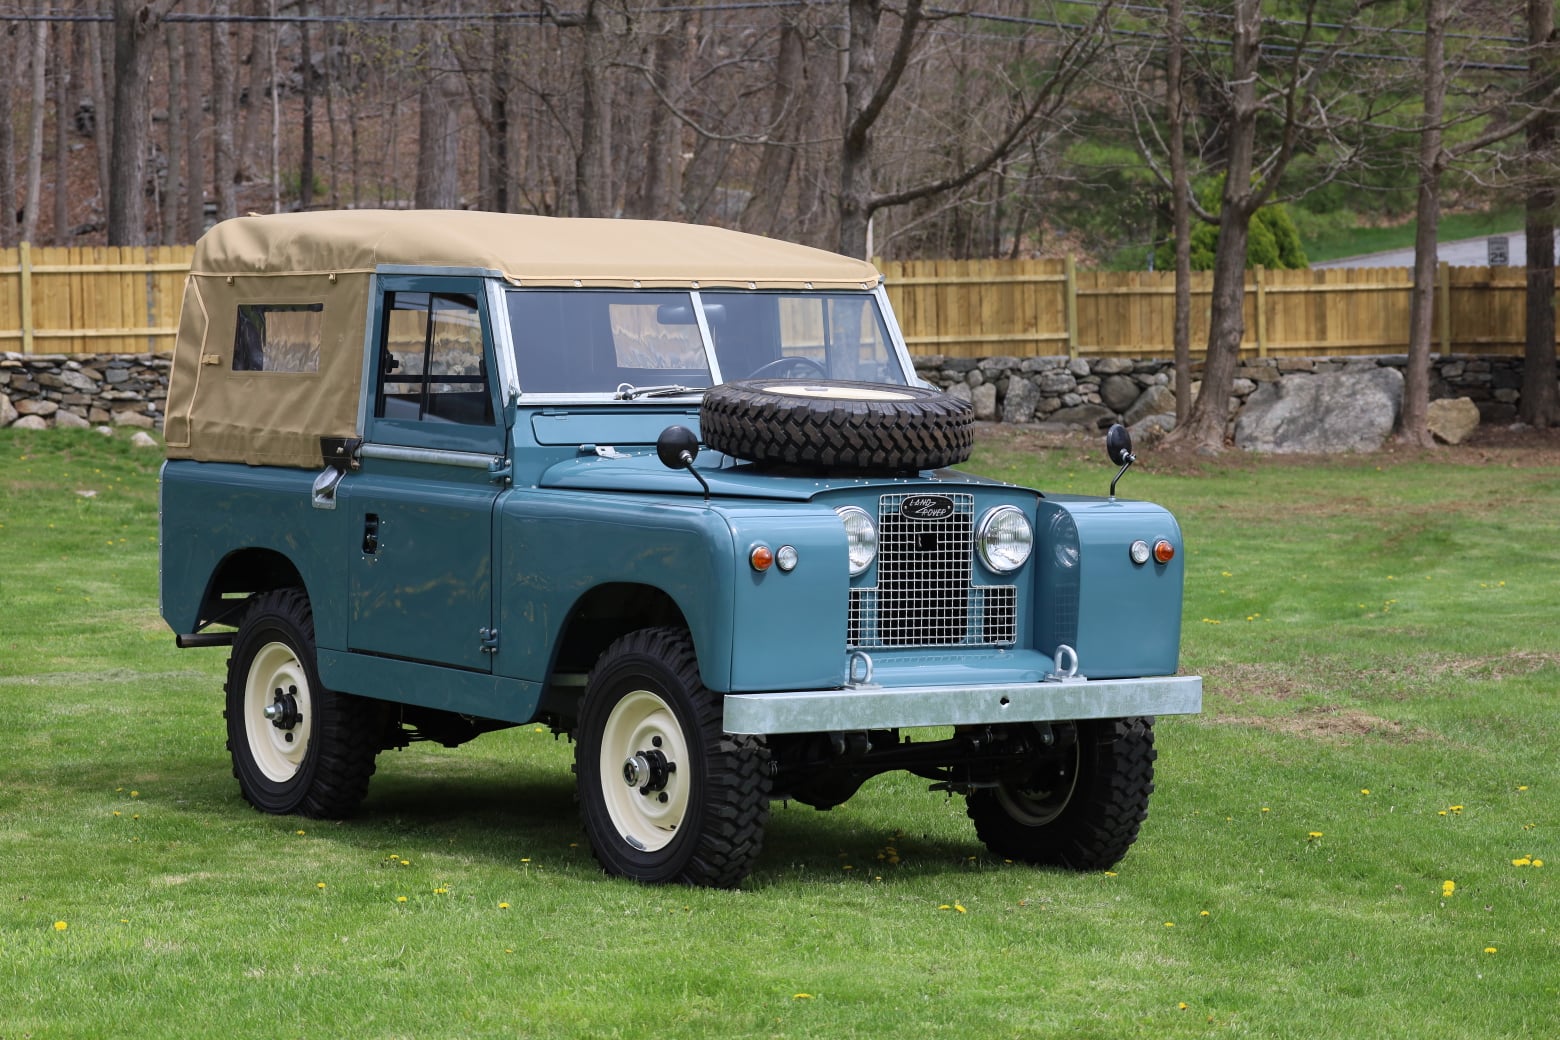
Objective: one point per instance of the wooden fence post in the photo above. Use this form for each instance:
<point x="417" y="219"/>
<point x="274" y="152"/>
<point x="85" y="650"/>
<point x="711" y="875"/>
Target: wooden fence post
<point x="1070" y="272"/>
<point x="1257" y="272"/>
<point x="24" y="268"/>
<point x="1443" y="277"/>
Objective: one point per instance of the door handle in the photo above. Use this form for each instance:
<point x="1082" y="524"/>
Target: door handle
<point x="370" y="534"/>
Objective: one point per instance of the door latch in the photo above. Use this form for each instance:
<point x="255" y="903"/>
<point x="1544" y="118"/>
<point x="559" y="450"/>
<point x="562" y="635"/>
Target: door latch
<point x="489" y="637"/>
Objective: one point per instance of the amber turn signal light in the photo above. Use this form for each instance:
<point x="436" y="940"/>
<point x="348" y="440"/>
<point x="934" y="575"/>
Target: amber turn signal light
<point x="761" y="558"/>
<point x="1164" y="552"/>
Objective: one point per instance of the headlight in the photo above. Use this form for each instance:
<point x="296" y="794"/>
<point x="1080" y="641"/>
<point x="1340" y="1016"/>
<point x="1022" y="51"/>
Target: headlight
<point x="1004" y="539"/>
<point x="860" y="537"/>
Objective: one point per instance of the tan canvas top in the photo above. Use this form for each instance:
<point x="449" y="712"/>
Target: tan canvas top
<point x="221" y="411"/>
<point x="527" y="250"/>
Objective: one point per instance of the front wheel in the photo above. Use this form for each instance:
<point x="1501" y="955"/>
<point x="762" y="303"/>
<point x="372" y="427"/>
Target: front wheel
<point x="665" y="794"/>
<point x="1077" y="803"/>
<point x="297" y="747"/>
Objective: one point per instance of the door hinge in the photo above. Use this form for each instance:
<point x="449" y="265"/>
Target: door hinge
<point x="489" y="637"/>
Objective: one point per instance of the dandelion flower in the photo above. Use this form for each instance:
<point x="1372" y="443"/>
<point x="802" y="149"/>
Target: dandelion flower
<point x="503" y="906"/>
<point x="1169" y="924"/>
<point x="1110" y="873"/>
<point x="1538" y="863"/>
<point x="60" y="926"/>
<point x="319" y="884"/>
<point x="802" y="996"/>
<point x="1522" y="862"/>
<point x="400" y="899"/>
<point x="441" y="891"/>
<point x="1364" y="790"/>
<point x="300" y="833"/>
<point x="1182" y="1006"/>
<point x="1490" y="949"/>
<point x="960" y="909"/>
<point x="1203" y="914"/>
<point x="1313" y="835"/>
<point x="1447" y="888"/>
<point x="945" y="906"/>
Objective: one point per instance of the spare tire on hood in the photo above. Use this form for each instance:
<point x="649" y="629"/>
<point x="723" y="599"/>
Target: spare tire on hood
<point x="837" y="425"/>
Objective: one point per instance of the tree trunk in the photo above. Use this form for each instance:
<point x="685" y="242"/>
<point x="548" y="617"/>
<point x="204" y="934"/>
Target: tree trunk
<point x="856" y="148"/>
<point x="1205" y="423"/>
<point x="224" y="163"/>
<point x="62" y="116"/>
<point x="306" y="73"/>
<point x="1432" y="163"/>
<point x="134" y="23"/>
<point x="438" y="139"/>
<point x="40" y="97"/>
<point x="102" y="128"/>
<point x="761" y="215"/>
<point x="1180" y="204"/>
<point x="592" y="163"/>
<point x="663" y="134"/>
<point x="8" y="225"/>
<point x="194" y="129"/>
<point x="1539" y="405"/>
<point x="169" y="217"/>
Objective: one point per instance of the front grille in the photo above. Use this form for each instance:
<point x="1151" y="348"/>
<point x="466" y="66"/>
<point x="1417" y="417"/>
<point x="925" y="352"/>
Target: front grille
<point x="924" y="595"/>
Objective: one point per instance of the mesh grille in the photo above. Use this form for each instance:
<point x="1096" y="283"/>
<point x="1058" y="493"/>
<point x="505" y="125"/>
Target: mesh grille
<point x="924" y="596"/>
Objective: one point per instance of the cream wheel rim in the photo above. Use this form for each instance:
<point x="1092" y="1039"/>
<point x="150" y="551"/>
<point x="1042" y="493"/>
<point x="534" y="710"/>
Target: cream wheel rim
<point x="826" y="392"/>
<point x="278" y="712"/>
<point x="644" y="771"/>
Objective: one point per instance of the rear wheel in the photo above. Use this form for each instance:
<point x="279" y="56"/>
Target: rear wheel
<point x="1077" y="803"/>
<point x="297" y="747"/>
<point x="665" y="794"/>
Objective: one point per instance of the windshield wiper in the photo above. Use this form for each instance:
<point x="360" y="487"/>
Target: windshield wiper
<point x="630" y="392"/>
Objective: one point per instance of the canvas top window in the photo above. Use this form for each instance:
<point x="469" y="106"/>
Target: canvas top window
<point x="278" y="337"/>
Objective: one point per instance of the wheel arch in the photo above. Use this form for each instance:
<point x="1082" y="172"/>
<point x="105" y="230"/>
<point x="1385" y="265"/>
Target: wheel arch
<point x="605" y="613"/>
<point x="241" y="574"/>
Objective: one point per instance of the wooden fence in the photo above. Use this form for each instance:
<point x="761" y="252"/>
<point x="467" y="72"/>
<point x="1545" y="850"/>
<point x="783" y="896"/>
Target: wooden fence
<point x="982" y="308"/>
<point x="126" y="300"/>
<point x="92" y="299"/>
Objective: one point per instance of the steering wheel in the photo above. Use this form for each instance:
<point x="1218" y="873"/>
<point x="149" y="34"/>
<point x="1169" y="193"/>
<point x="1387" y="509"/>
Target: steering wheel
<point x="780" y="365"/>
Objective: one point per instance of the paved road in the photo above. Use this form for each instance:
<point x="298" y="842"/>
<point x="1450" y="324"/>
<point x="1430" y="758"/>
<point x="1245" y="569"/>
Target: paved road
<point x="1467" y="252"/>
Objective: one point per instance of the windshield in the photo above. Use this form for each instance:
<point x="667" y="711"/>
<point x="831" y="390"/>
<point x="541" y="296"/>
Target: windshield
<point x="584" y="341"/>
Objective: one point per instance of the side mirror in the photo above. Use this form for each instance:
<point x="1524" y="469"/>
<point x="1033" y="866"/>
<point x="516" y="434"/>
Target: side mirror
<point x="677" y="447"/>
<point x="1118" y="445"/>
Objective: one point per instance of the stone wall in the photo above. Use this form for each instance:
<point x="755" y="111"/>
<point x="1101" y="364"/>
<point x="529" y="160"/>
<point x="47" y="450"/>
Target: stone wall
<point x="42" y="390"/>
<point x="83" y="390"/>
<point x="1092" y="394"/>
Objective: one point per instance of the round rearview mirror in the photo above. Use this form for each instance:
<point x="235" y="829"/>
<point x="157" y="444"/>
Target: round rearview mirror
<point x="677" y="447"/>
<point x="1118" y="444"/>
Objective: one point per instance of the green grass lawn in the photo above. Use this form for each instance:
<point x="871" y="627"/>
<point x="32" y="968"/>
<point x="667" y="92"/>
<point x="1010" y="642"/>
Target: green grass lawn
<point x="1380" y="649"/>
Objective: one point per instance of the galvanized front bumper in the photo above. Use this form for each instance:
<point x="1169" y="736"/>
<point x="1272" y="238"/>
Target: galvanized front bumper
<point x="895" y="707"/>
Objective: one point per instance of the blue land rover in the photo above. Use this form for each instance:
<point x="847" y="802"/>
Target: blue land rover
<point x="671" y="490"/>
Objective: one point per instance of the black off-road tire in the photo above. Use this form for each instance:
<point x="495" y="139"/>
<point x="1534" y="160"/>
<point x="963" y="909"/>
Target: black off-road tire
<point x="1081" y="812"/>
<point x="837" y="425"/>
<point x="315" y="758"/>
<point x="696" y="809"/>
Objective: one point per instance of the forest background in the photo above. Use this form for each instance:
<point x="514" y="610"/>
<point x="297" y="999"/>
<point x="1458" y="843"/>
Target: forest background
<point x="974" y="128"/>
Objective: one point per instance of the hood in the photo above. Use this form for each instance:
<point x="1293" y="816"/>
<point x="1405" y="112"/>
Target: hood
<point x="641" y="471"/>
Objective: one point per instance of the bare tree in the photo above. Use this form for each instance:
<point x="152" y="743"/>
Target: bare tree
<point x="1539" y="405"/>
<point x="62" y="121"/>
<point x="1269" y="104"/>
<point x="8" y="226"/>
<point x="38" y="63"/>
<point x="135" y="25"/>
<point x="224" y="157"/>
<point x="438" y="128"/>
<point x="1180" y="203"/>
